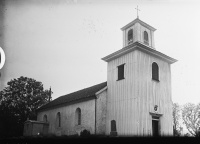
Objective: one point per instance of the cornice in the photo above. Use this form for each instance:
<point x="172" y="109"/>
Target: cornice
<point x="139" y="46"/>
<point x="100" y="91"/>
<point x="155" y="114"/>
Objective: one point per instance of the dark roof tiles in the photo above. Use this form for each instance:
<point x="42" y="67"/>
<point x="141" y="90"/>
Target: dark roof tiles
<point x="84" y="93"/>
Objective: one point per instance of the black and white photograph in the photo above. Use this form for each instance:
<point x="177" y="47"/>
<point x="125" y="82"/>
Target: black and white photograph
<point x="99" y="68"/>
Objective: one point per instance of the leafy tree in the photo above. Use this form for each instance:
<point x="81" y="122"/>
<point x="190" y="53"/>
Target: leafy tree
<point x="176" y="119"/>
<point x="191" y="118"/>
<point x="18" y="102"/>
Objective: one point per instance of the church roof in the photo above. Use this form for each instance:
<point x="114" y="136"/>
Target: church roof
<point x="137" y="20"/>
<point x="75" y="96"/>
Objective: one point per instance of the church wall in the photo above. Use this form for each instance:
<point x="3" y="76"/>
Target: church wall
<point x="123" y="37"/>
<point x="142" y="29"/>
<point x="68" y="126"/>
<point x="152" y="39"/>
<point x="130" y="100"/>
<point x="155" y="93"/>
<point x="122" y="97"/>
<point x="125" y="34"/>
<point x="101" y="113"/>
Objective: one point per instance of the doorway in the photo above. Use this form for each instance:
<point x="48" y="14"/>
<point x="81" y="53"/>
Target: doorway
<point x="155" y="126"/>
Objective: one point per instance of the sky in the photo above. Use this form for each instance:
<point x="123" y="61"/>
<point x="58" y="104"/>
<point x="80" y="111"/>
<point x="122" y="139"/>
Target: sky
<point x="61" y="42"/>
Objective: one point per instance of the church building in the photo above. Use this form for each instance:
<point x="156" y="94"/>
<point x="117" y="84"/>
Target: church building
<point x="135" y="100"/>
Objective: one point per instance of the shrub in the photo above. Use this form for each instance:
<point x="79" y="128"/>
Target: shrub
<point x="85" y="133"/>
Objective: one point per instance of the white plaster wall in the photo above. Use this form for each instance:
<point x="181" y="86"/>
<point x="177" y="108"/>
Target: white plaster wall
<point x="101" y="113"/>
<point x="68" y="126"/>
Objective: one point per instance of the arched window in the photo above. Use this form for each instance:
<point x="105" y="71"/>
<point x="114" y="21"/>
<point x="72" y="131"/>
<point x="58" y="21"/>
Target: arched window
<point x="45" y="118"/>
<point x="130" y="36"/>
<point x="146" y="38"/>
<point x="58" y="120"/>
<point x="78" y="116"/>
<point x="155" y="71"/>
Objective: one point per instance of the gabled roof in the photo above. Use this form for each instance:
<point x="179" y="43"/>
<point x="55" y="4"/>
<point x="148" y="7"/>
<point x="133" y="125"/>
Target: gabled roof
<point x="75" y="96"/>
<point x="137" y="20"/>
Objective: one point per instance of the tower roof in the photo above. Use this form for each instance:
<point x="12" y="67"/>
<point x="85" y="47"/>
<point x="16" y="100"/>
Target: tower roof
<point x="137" y="20"/>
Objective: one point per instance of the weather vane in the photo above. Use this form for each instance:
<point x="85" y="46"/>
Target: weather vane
<point x="137" y="11"/>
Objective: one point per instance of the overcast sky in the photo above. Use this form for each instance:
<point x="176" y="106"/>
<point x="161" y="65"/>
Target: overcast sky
<point x="61" y="42"/>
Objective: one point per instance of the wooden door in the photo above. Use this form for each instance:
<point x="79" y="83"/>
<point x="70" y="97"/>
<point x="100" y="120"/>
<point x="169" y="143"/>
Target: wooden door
<point x="155" y="128"/>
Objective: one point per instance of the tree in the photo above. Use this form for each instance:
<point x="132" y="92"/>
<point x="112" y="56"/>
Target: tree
<point x="191" y="118"/>
<point x="176" y="119"/>
<point x="18" y="102"/>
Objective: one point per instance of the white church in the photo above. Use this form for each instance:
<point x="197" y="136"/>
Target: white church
<point x="136" y="100"/>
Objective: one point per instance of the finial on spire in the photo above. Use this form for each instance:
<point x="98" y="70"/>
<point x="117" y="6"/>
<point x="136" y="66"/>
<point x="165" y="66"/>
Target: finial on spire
<point x="137" y="12"/>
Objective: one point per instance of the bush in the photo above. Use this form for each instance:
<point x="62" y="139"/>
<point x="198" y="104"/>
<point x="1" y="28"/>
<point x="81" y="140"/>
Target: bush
<point x="85" y="133"/>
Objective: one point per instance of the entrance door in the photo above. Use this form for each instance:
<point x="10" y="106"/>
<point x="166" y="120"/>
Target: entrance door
<point x="155" y="127"/>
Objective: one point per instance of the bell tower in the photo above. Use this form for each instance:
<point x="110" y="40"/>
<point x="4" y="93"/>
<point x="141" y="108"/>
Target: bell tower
<point x="139" y="96"/>
<point x="140" y="31"/>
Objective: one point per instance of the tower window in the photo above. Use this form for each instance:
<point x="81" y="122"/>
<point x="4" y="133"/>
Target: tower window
<point x="155" y="71"/>
<point x="130" y="36"/>
<point x="78" y="116"/>
<point x="146" y="39"/>
<point x="58" y="119"/>
<point x="121" y="72"/>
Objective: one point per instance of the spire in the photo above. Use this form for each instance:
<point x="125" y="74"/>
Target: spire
<point x="50" y="94"/>
<point x="137" y="12"/>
